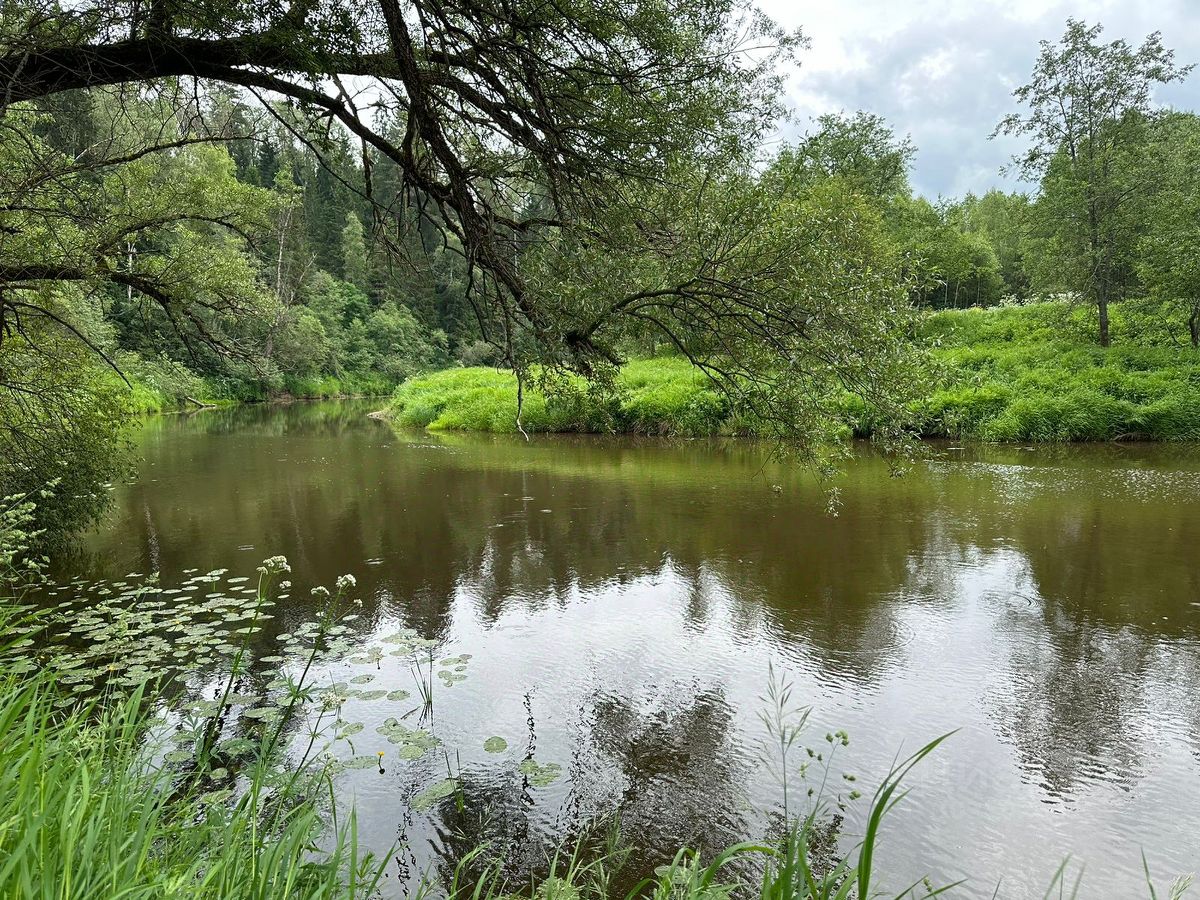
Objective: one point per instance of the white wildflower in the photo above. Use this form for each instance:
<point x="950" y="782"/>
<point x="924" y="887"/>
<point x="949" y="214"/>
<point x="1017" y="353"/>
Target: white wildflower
<point x="275" y="565"/>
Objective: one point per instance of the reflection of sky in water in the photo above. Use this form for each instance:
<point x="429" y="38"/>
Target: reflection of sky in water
<point x="621" y="600"/>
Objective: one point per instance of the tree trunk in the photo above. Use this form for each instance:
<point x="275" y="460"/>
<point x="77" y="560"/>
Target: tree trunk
<point x="1102" y="306"/>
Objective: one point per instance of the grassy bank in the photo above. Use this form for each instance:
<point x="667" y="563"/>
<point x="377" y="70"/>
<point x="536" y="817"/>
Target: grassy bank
<point x="1034" y="373"/>
<point x="653" y="396"/>
<point x="157" y="386"/>
<point x="1029" y="373"/>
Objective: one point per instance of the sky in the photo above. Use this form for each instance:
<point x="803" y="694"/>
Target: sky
<point x="943" y="71"/>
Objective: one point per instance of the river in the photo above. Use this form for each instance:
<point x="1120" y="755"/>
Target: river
<point x="620" y="600"/>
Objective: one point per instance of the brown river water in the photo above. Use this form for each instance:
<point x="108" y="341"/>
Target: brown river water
<point x="621" y="600"/>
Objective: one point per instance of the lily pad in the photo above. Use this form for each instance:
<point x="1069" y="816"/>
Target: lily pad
<point x="432" y="794"/>
<point x="540" y="774"/>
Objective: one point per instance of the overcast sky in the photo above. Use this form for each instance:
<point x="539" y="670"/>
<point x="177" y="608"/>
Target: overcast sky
<point x="943" y="71"/>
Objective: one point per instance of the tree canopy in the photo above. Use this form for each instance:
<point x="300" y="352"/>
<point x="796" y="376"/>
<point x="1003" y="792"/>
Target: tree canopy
<point x="512" y="123"/>
<point x="1088" y="107"/>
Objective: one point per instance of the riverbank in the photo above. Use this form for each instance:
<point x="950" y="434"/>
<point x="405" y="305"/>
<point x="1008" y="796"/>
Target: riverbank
<point x="1027" y="373"/>
<point x="163" y="386"/>
<point x="663" y="396"/>
<point x="1035" y="373"/>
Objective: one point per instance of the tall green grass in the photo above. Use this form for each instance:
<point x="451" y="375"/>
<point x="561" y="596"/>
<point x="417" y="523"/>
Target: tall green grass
<point x="652" y="396"/>
<point x="94" y="804"/>
<point x="90" y="811"/>
<point x="1034" y="373"/>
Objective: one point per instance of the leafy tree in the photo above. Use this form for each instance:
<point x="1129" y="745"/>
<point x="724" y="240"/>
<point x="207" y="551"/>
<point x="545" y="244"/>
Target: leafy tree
<point x="1088" y="106"/>
<point x="62" y="416"/>
<point x="302" y="346"/>
<point x="861" y="149"/>
<point x="170" y="229"/>
<point x="139" y="243"/>
<point x="819" y="304"/>
<point x="519" y="121"/>
<point x="1002" y="219"/>
<point x="405" y="347"/>
<point x="951" y="265"/>
<point x="1169" y="252"/>
<point x="355" y="265"/>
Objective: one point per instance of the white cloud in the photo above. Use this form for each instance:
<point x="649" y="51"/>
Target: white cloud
<point x="944" y="70"/>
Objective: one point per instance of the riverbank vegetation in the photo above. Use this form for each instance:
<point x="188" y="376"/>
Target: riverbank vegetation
<point x="1016" y="373"/>
<point x="1035" y="374"/>
<point x="664" y="396"/>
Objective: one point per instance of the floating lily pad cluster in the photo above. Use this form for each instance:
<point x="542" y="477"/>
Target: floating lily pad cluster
<point x="335" y="695"/>
<point x="126" y="632"/>
<point x="407" y="642"/>
<point x="453" y="669"/>
<point x="540" y="774"/>
<point x="123" y="633"/>
<point x="413" y="743"/>
<point x="328" y="644"/>
<point x="439" y="790"/>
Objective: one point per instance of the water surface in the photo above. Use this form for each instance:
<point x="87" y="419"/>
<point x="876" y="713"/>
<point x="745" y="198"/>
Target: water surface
<point x="621" y="600"/>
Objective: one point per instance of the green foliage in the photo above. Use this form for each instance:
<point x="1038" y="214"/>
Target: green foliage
<point x="784" y="300"/>
<point x="1168" y="255"/>
<point x="1031" y="374"/>
<point x="1023" y="373"/>
<point x="861" y="150"/>
<point x="93" y="809"/>
<point x="63" y="417"/>
<point x="664" y="396"/>
<point x="954" y="265"/>
<point x="355" y="267"/>
<point x="1089" y="108"/>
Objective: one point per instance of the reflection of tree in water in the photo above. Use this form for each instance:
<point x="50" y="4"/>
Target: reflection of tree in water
<point x="1073" y="700"/>
<point x="451" y="522"/>
<point x="1109" y="582"/>
<point x="1093" y="579"/>
<point x="666" y="774"/>
<point x="497" y="809"/>
<point x="444" y="522"/>
<point x="494" y="815"/>
<point x="815" y="579"/>
<point x="673" y="768"/>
